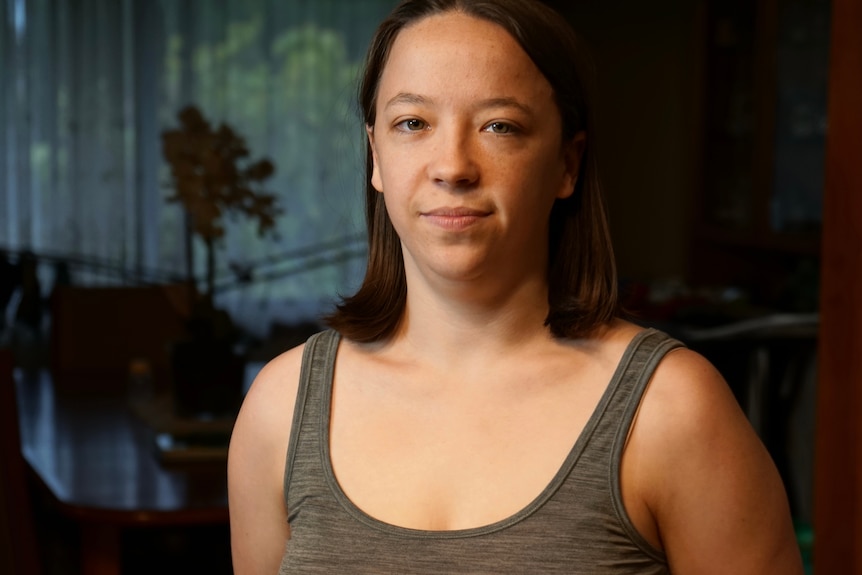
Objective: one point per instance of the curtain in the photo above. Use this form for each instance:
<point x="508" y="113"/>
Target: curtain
<point x="88" y="86"/>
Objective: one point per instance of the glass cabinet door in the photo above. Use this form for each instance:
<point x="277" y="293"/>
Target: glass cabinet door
<point x="802" y="66"/>
<point x="765" y="118"/>
<point x="730" y="118"/>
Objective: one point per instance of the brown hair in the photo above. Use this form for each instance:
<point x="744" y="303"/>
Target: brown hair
<point x="582" y="292"/>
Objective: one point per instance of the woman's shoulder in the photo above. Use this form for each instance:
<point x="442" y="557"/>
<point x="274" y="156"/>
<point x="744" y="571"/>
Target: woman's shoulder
<point x="256" y="458"/>
<point x="686" y="389"/>
<point x="267" y="409"/>
<point x="263" y="422"/>
<point x="681" y="375"/>
<point x="704" y="474"/>
<point x="609" y="342"/>
<point x="279" y="377"/>
<point x="688" y="404"/>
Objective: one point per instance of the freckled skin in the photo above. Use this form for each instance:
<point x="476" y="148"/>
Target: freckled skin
<point x="466" y="120"/>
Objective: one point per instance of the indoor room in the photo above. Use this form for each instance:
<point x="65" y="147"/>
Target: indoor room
<point x="182" y="201"/>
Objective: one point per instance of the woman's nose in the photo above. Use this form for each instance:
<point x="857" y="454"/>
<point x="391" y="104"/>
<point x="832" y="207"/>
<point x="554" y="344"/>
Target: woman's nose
<point x="453" y="163"/>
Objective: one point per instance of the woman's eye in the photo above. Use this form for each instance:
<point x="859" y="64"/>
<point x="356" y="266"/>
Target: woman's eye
<point x="500" y="128"/>
<point x="412" y="125"/>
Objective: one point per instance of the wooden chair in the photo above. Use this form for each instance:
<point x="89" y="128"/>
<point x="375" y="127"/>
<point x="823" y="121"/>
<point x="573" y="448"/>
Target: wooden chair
<point x="18" y="548"/>
<point x="766" y="361"/>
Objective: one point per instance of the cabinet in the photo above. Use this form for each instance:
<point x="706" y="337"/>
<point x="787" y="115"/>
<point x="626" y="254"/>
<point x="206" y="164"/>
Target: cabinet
<point x="764" y="124"/>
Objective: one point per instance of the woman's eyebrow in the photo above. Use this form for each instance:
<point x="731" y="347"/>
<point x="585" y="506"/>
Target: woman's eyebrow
<point x="406" y="98"/>
<point x="501" y="102"/>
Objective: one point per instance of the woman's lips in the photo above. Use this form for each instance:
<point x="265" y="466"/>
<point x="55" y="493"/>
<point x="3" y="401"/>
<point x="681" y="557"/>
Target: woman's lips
<point x="454" y="218"/>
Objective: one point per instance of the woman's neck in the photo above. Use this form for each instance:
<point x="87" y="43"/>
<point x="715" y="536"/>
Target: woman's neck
<point x="442" y="322"/>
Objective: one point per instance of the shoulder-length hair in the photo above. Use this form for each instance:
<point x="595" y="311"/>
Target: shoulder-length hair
<point x="582" y="280"/>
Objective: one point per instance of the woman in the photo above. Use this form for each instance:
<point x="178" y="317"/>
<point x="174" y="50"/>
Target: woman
<point x="478" y="407"/>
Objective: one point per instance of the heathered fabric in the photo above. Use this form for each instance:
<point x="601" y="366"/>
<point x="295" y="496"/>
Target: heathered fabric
<point x="577" y="525"/>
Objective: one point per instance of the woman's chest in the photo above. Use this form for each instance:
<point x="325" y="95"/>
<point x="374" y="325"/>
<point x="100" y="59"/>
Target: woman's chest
<point x="444" y="457"/>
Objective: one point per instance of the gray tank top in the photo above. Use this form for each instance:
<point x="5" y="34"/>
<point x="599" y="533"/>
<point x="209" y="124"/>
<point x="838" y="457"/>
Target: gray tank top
<point x="576" y="525"/>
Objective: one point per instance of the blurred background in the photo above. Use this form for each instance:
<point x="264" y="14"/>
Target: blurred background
<point x="712" y="125"/>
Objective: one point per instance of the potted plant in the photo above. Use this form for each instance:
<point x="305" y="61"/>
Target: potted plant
<point x="211" y="177"/>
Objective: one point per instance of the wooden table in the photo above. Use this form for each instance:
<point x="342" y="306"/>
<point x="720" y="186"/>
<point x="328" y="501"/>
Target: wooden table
<point x="98" y="461"/>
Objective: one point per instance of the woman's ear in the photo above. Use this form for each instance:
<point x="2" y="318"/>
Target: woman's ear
<point x="573" y="152"/>
<point x="376" y="180"/>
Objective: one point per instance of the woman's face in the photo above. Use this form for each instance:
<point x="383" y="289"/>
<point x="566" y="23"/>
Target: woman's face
<point x="468" y="151"/>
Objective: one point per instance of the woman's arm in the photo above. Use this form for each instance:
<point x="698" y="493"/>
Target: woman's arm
<point x="715" y="495"/>
<point x="258" y="447"/>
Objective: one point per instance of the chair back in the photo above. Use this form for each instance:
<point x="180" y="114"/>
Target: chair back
<point x="18" y="549"/>
<point x="96" y="333"/>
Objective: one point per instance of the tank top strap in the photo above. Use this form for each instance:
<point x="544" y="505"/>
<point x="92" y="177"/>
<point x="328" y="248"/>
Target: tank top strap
<point x="626" y="389"/>
<point x="318" y="365"/>
<point x="632" y="378"/>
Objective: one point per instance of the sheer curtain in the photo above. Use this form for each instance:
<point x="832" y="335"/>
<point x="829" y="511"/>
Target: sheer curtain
<point x="89" y="85"/>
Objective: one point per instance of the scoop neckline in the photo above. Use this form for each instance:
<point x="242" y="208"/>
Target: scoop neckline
<point x="522" y="514"/>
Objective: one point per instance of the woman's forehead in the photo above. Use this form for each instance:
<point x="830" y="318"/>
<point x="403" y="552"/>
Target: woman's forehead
<point x="454" y="53"/>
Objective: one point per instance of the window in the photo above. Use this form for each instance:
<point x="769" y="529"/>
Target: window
<point x="87" y="88"/>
